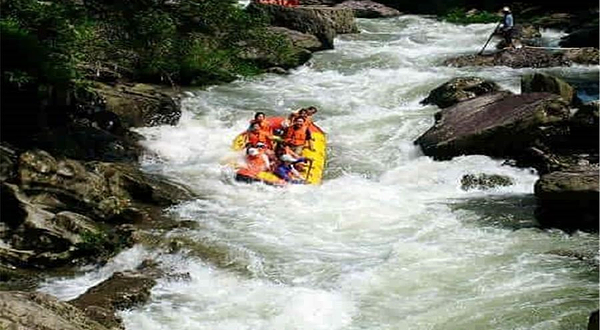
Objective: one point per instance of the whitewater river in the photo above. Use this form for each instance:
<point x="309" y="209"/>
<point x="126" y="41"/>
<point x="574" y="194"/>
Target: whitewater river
<point x="389" y="240"/>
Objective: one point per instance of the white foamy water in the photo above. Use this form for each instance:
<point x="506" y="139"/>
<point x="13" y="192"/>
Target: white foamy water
<point x="389" y="240"/>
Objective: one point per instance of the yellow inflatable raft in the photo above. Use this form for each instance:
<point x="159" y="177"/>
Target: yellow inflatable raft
<point x="312" y="172"/>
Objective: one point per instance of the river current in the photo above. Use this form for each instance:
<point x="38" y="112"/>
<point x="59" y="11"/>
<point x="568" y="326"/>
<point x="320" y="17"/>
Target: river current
<point x="389" y="240"/>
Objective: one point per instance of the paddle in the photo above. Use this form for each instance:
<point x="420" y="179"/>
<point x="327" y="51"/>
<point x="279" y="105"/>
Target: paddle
<point x="490" y="38"/>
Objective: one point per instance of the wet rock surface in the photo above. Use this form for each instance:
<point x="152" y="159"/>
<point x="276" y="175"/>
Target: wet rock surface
<point x="369" y="9"/>
<point x="497" y="124"/>
<point x="484" y="181"/>
<point x="527" y="58"/>
<point x="33" y="310"/>
<point x="459" y="89"/>
<point x="547" y="128"/>
<point x="568" y="199"/>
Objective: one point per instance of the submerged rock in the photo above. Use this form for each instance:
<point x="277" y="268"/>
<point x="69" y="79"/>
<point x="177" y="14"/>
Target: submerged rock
<point x="458" y="90"/>
<point x="484" y="181"/>
<point x="121" y="291"/>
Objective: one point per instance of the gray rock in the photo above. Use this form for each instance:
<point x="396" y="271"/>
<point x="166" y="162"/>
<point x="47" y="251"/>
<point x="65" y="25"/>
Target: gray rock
<point x="138" y="105"/>
<point x="459" y="89"/>
<point x="569" y="199"/>
<point x="121" y="291"/>
<point x="498" y="125"/>
<point x="484" y="181"/>
<point x="540" y="82"/>
<point x="34" y="310"/>
<point x="514" y="58"/>
<point x="369" y="9"/>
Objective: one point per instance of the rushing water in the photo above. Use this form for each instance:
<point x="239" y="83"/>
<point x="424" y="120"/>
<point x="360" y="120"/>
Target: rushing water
<point x="389" y="240"/>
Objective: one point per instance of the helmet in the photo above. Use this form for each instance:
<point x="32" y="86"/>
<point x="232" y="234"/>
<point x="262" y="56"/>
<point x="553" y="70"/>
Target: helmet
<point x="506" y="9"/>
<point x="252" y="151"/>
<point x="260" y="145"/>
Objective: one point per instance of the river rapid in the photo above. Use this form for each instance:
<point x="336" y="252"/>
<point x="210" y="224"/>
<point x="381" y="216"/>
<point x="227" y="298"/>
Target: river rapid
<point x="389" y="240"/>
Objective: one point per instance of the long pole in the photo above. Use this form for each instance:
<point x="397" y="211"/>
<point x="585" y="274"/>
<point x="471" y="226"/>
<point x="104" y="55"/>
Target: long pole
<point x="490" y="38"/>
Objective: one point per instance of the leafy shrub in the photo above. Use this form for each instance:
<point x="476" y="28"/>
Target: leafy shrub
<point x="460" y="16"/>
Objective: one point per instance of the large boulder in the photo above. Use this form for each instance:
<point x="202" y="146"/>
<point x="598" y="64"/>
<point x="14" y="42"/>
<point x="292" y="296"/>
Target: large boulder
<point x="34" y="310"/>
<point x="584" y="37"/>
<point x="299" y="39"/>
<point x="59" y="210"/>
<point x="585" y="128"/>
<point x="322" y="22"/>
<point x="458" y="90"/>
<point x="540" y="82"/>
<point x="569" y="199"/>
<point x="139" y="105"/>
<point x="121" y="291"/>
<point x="369" y="9"/>
<point x="497" y="124"/>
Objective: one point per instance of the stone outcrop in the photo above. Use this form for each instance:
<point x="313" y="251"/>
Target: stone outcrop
<point x="459" y="89"/>
<point x="57" y="210"/>
<point x="121" y="291"/>
<point x="527" y="57"/>
<point x="568" y="199"/>
<point x="593" y="321"/>
<point x="322" y="22"/>
<point x="539" y="82"/>
<point x="546" y="127"/>
<point x="34" y="310"/>
<point x="497" y="124"/>
<point x="138" y="105"/>
<point x="369" y="9"/>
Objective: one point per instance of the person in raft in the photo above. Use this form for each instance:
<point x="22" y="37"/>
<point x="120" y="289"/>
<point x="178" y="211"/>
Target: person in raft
<point x="298" y="135"/>
<point x="256" y="134"/>
<point x="305" y="113"/>
<point x="256" y="162"/>
<point x="260" y="118"/>
<point x="285" y="170"/>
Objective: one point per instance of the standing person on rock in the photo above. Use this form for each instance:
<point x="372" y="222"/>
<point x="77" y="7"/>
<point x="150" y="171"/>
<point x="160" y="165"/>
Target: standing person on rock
<point x="506" y="27"/>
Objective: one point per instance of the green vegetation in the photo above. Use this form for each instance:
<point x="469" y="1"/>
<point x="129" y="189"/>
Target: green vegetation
<point x="101" y="245"/>
<point x="460" y="16"/>
<point x="183" y="42"/>
<point x="52" y="50"/>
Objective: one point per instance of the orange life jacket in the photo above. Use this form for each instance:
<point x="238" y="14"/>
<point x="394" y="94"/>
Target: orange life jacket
<point x="254" y="165"/>
<point x="258" y="136"/>
<point x="264" y="125"/>
<point x="296" y="137"/>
